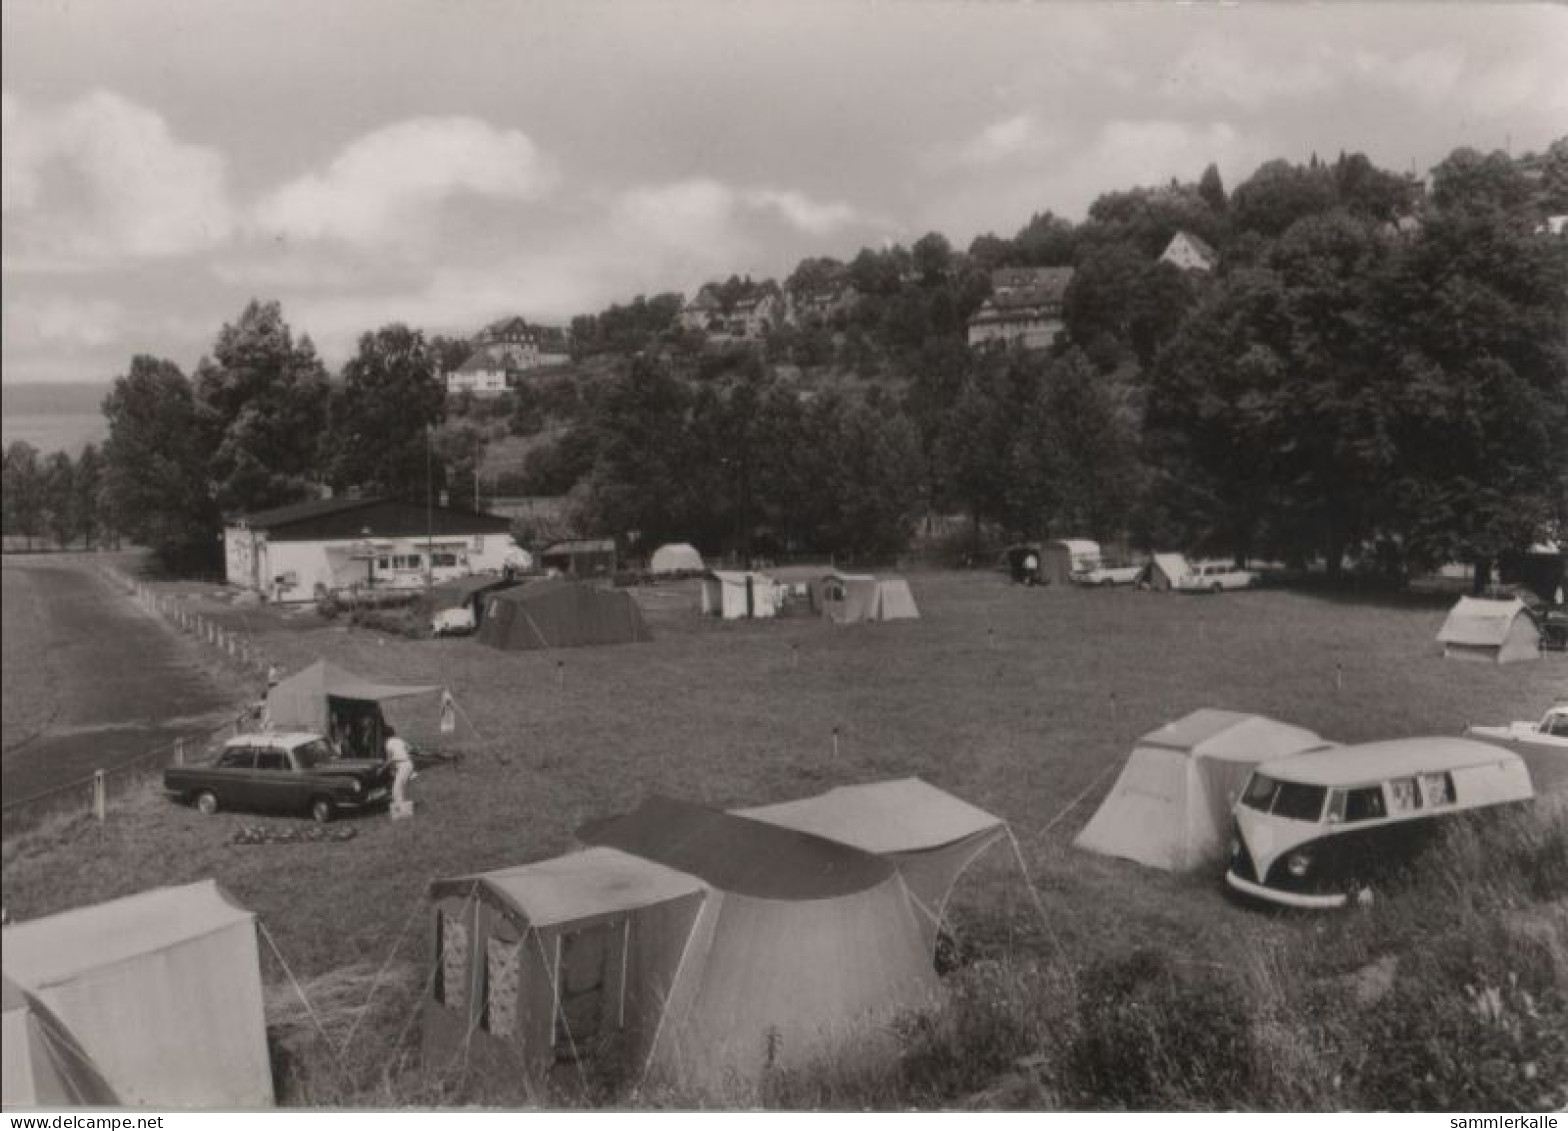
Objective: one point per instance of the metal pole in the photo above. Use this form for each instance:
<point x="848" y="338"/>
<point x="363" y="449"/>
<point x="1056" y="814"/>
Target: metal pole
<point x="99" y="801"/>
<point x="430" y="536"/>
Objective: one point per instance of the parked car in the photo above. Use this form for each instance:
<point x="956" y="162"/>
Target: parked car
<point x="1215" y="577"/>
<point x="290" y="773"/>
<point x="1316" y="830"/>
<point x="1103" y="573"/>
<point x="1543" y="745"/>
<point x="453" y="622"/>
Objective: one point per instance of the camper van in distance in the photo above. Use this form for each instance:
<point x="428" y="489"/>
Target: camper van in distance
<point x="1317" y="829"/>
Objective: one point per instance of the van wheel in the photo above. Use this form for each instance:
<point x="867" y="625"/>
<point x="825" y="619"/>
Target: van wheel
<point x="321" y="810"/>
<point x="207" y="802"/>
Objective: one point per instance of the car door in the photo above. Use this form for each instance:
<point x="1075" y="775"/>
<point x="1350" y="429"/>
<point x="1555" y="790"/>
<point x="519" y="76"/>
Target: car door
<point x="277" y="783"/>
<point x="234" y="778"/>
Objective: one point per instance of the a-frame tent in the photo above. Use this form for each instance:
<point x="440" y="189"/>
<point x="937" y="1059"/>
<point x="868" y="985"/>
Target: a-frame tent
<point x="1499" y="632"/>
<point x="44" y="1065"/>
<point x="332" y="701"/>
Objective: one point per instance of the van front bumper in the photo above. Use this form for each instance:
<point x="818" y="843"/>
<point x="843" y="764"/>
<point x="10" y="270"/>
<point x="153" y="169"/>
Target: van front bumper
<point x="1286" y="898"/>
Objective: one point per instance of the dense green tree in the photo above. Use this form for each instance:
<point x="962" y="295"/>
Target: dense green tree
<point x="24" y="494"/>
<point x="87" y="492"/>
<point x="59" y="487"/>
<point x="156" y="465"/>
<point x="1122" y="293"/>
<point x="263" y="400"/>
<point x="382" y="415"/>
<point x="1278" y="194"/>
<point x="1212" y="190"/>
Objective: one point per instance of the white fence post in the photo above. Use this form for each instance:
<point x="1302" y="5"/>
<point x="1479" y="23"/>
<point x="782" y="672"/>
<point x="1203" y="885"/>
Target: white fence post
<point x="99" y="800"/>
<point x="179" y="752"/>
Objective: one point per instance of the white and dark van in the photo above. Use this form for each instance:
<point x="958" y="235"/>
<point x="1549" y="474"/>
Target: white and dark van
<point x="1311" y="830"/>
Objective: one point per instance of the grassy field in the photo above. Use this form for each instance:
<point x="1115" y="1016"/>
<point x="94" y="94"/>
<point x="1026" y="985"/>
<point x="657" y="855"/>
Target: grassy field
<point x="1020" y="701"/>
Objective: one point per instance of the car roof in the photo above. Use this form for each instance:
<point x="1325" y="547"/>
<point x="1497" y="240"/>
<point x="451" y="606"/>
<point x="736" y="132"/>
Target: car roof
<point x="1375" y="761"/>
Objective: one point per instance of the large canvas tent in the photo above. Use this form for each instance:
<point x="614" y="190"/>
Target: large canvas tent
<point x="736" y="595"/>
<point x="469" y="593"/>
<point x="675" y="558"/>
<point x="561" y="614"/>
<point x="1170" y="808"/>
<point x="1164" y="571"/>
<point x="1500" y="632"/>
<point x="707" y="946"/>
<point x="328" y="700"/>
<point x="850" y="598"/>
<point x="161" y="990"/>
<point x="43" y="1063"/>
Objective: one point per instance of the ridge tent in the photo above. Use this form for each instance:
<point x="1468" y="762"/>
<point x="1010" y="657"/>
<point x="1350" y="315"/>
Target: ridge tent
<point x="736" y="595"/>
<point x="711" y="946"/>
<point x="929" y="835"/>
<point x="675" y="558"/>
<point x="1164" y="571"/>
<point x="328" y="700"/>
<point x="1059" y="559"/>
<point x="1499" y="632"/>
<point x="162" y="990"/>
<point x="847" y="598"/>
<point x="464" y="593"/>
<point x="561" y="614"/>
<point x="1170" y="808"/>
<point x="43" y="1064"/>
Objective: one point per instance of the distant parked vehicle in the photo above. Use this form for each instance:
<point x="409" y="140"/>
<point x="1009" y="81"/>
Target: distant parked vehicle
<point x="290" y="773"/>
<point x="1543" y="745"/>
<point x="1103" y="573"/>
<point x="453" y="622"/>
<point x="1216" y="577"/>
<point x="1317" y="830"/>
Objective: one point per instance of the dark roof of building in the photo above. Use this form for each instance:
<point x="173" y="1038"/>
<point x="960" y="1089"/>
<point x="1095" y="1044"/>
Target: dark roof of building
<point x="347" y="518"/>
<point x="1030" y="278"/>
<point x="738" y="854"/>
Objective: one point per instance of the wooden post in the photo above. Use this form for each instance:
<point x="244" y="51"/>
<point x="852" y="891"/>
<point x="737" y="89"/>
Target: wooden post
<point x="1339" y="676"/>
<point x="794" y="655"/>
<point x="835" y="744"/>
<point x="99" y="800"/>
<point x="560" y="675"/>
<point x="179" y="752"/>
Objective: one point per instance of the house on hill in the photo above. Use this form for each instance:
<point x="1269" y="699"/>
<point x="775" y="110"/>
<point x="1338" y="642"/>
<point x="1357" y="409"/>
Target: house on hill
<point x="1025" y="308"/>
<point x="731" y="313"/>
<point x="371" y="544"/>
<point x="820" y="304"/>
<point x="502" y="352"/>
<point x="1190" y="253"/>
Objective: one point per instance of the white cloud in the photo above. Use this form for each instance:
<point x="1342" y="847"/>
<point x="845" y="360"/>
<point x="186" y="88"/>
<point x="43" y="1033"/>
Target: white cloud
<point x="104" y="179"/>
<point x="817" y="218"/>
<point x="1010" y="137"/>
<point x="60" y="322"/>
<point x="388" y="186"/>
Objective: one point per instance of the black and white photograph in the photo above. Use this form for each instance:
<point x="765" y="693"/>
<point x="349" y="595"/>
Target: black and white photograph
<point x="658" y="556"/>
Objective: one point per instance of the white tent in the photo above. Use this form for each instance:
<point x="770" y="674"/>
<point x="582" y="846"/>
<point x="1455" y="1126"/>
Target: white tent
<point x="1164" y="571"/>
<point x="1061" y="558"/>
<point x="735" y="595"/>
<point x="162" y="991"/>
<point x="1495" y="631"/>
<point x="1170" y="808"/>
<point x="44" y="1065"/>
<point x="677" y="557"/>
<point x="850" y="598"/>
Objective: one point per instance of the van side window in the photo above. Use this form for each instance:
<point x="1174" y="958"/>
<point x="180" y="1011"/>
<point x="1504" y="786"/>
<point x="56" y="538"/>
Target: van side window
<point x="1364" y="804"/>
<point x="1437" y="789"/>
<point x="1557" y="725"/>
<point x="1403" y="796"/>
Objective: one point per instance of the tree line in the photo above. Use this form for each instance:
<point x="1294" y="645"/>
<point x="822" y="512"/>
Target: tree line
<point x="1374" y="368"/>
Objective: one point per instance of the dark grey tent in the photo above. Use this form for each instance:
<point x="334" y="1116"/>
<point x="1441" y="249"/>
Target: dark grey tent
<point x="471" y="592"/>
<point x="561" y="614"/>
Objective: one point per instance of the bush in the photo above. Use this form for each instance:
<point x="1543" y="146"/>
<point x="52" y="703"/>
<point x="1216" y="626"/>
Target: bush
<point x="1151" y="1034"/>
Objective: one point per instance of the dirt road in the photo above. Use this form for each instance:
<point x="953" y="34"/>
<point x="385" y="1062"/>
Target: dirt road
<point x="90" y="680"/>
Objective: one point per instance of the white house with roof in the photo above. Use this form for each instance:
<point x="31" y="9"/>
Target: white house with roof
<point x="296" y="552"/>
<point x="1190" y="253"/>
<point x="1025" y="308"/>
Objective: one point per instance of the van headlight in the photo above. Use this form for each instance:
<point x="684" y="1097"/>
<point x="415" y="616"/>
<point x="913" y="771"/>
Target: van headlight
<point x="1298" y="864"/>
<point x="359" y="786"/>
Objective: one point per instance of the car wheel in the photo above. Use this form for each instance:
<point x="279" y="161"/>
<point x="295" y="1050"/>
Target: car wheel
<point x="321" y="810"/>
<point x="207" y="802"/>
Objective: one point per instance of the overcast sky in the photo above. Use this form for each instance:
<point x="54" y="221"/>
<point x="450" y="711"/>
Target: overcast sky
<point x="443" y="162"/>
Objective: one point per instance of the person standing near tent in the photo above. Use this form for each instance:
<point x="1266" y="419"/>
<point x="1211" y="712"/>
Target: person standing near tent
<point x="1031" y="568"/>
<point x="402" y="761"/>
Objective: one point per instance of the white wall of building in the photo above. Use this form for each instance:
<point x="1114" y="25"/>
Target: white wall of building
<point x="291" y="571"/>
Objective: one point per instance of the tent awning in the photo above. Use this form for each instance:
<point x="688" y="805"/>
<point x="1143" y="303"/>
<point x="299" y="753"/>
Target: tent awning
<point x="326" y="678"/>
<point x="595" y="881"/>
<point x="906" y="815"/>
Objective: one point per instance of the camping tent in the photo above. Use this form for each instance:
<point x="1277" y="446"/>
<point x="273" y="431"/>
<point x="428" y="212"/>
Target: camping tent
<point x="1164" y="571"/>
<point x="561" y="614"/>
<point x="328" y="700"/>
<point x="929" y="835"/>
<point x="1497" y="631"/>
<point x="161" y="990"/>
<point x="734" y="595"/>
<point x="43" y="1064"/>
<point x="675" y="558"/>
<point x="1059" y="559"/>
<point x="709" y="946"/>
<point x="1170" y="808"/>
<point x="848" y="598"/>
<point x="464" y="593"/>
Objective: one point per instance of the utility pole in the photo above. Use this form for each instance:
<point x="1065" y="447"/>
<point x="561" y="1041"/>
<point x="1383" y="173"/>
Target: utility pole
<point x="430" y="521"/>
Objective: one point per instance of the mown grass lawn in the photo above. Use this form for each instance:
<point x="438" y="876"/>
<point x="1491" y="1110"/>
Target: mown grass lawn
<point x="1016" y="700"/>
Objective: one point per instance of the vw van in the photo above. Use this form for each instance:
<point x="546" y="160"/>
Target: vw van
<point x="1313" y="830"/>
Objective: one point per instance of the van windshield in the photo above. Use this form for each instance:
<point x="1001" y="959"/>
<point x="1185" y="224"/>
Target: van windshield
<point x="1291" y="800"/>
